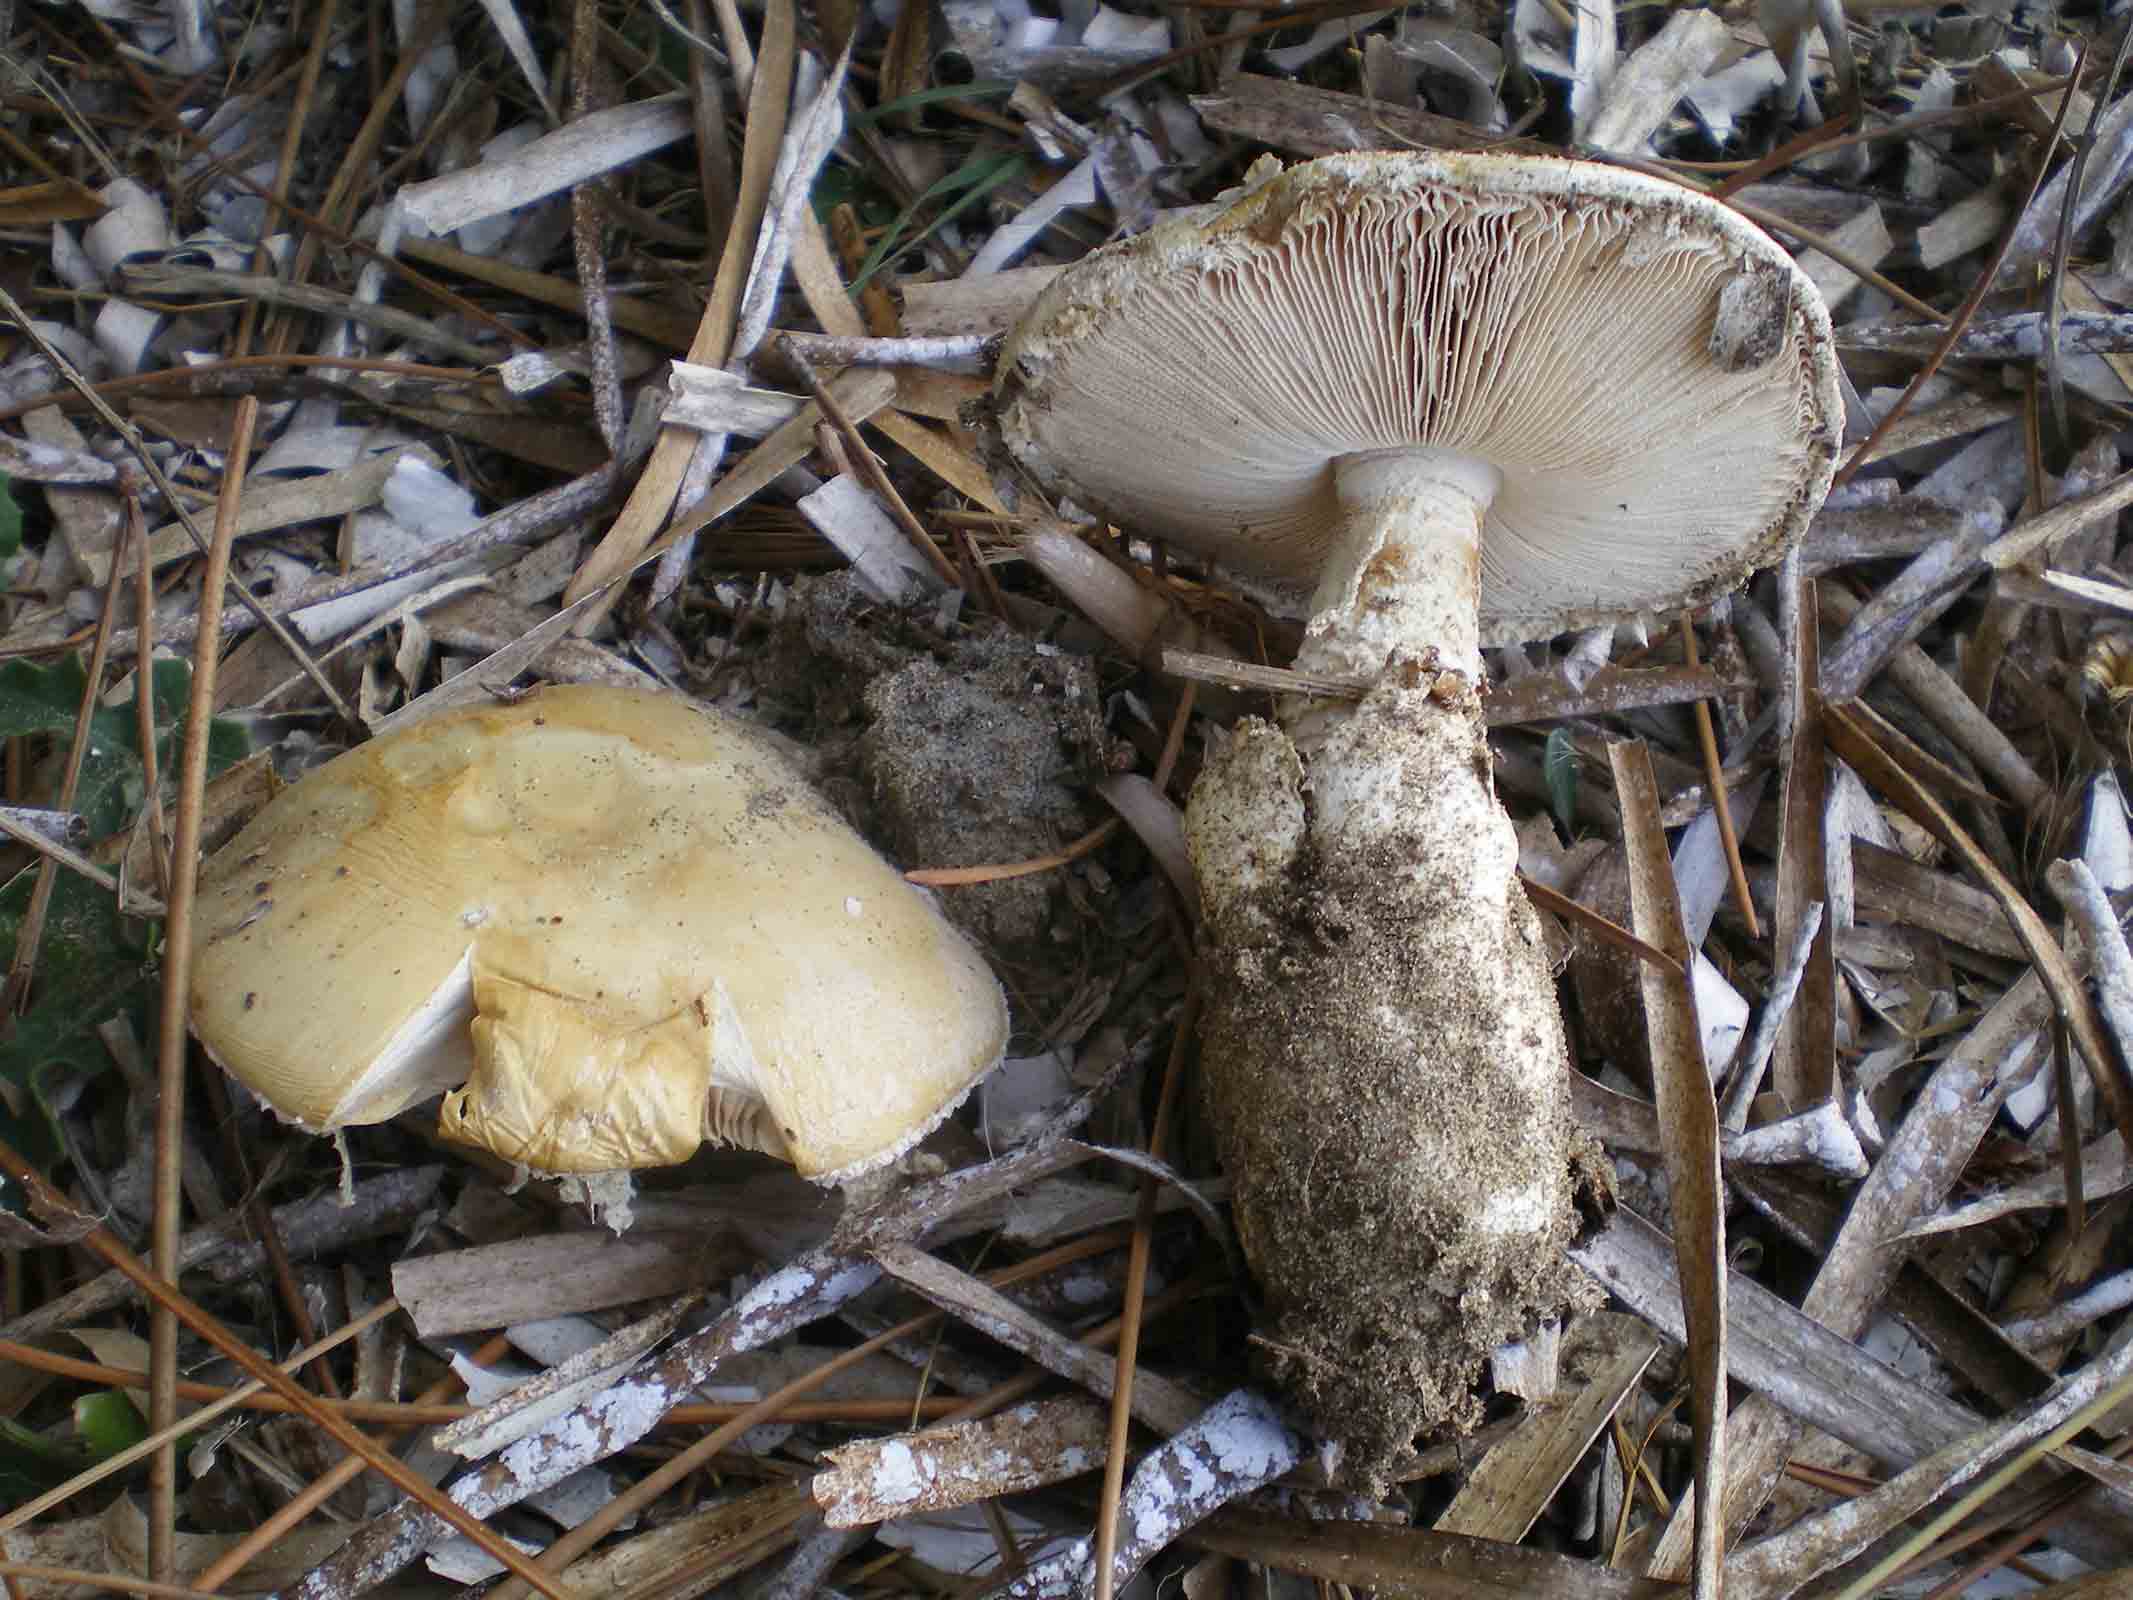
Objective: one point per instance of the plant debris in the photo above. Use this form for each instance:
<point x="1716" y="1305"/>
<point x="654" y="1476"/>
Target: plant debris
<point x="655" y="348"/>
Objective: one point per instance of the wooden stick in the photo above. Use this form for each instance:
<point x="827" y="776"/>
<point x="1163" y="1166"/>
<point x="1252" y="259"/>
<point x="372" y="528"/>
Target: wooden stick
<point x="1714" y="780"/>
<point x="177" y="980"/>
<point x="226" y="1400"/>
<point x="331" y="1422"/>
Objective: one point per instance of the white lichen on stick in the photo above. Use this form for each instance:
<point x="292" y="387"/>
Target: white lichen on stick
<point x="936" y="1469"/>
<point x="1235" y="1446"/>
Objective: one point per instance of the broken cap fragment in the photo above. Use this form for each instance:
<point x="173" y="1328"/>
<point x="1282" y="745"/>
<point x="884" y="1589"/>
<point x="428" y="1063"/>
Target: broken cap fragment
<point x="624" y="922"/>
<point x="1636" y="384"/>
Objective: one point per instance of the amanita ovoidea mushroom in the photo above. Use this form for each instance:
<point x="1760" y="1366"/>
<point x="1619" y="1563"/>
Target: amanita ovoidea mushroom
<point x="1429" y="402"/>
<point x="623" y="922"/>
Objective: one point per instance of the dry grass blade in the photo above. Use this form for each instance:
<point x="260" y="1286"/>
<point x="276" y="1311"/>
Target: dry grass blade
<point x="2005" y="254"/>
<point x="1950" y="709"/>
<point x="1104" y="1553"/>
<point x="2093" y="1586"/>
<point x="1775" y="1350"/>
<point x="1816" y="1377"/>
<point x="118" y="1462"/>
<point x="2104" y="1172"/>
<point x="1158" y="824"/>
<point x="695" y="1554"/>
<point x="2047" y="528"/>
<point x="267" y="1535"/>
<point x="2079" y="196"/>
<point x="649" y="502"/>
<point x="1312" y="121"/>
<point x="1159" y="1403"/>
<point x="1804" y="1064"/>
<point x="1923" y="1158"/>
<point x="860" y="392"/>
<point x="70" y="1577"/>
<point x="1688" y="1127"/>
<point x="1754" y="1056"/>
<point x="1852" y="741"/>
<point x="2075" y="884"/>
<point x="1927" y="768"/>
<point x="383" y="1202"/>
<point x="781" y="1507"/>
<point x="1714" y="781"/>
<point x="461" y="1420"/>
<point x="176" y="501"/>
<point x="1414" y="1564"/>
<point x="1611" y="690"/>
<point x="1585" y="917"/>
<point x="1782" y="1565"/>
<point x="1229" y="673"/>
<point x="806" y="1289"/>
<point x="22" y="964"/>
<point x="1511" y="1485"/>
<point x="57" y="853"/>
<point x="870" y="469"/>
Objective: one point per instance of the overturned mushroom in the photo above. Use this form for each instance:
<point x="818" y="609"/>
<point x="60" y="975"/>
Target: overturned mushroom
<point x="1428" y="402"/>
<point x="624" y="923"/>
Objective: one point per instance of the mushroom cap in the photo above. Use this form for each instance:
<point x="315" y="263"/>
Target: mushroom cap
<point x="629" y="919"/>
<point x="1652" y="376"/>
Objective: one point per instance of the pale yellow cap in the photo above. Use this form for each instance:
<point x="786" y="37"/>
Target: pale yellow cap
<point x="626" y="923"/>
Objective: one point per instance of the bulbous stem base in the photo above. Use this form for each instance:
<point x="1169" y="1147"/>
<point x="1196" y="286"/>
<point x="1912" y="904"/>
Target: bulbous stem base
<point x="1384" y="1058"/>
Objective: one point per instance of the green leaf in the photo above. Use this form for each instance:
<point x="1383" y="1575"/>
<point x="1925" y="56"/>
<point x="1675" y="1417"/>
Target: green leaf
<point x="977" y="89"/>
<point x="30" y="1463"/>
<point x="10" y="521"/>
<point x="91" y="965"/>
<point x="91" y="962"/>
<point x="107" y="1423"/>
<point x="970" y="183"/>
<point x="1559" y="769"/>
<point x="839" y="185"/>
<point x="45" y="699"/>
<point x="36" y="699"/>
<point x="31" y="1135"/>
<point x="33" y="1138"/>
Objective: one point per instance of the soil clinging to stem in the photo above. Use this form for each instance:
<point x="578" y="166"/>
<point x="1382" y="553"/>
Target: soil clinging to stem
<point x="1385" y="1066"/>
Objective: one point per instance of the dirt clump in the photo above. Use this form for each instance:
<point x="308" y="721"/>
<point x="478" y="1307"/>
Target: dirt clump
<point x="971" y="747"/>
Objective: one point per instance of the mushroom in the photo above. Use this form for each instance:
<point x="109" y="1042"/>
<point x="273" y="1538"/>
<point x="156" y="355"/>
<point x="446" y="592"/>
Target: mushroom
<point x="624" y="923"/>
<point x="1428" y="402"/>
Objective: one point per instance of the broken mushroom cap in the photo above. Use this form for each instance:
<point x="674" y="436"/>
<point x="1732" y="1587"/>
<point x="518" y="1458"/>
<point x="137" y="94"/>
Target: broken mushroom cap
<point x="1649" y="376"/>
<point x="625" y="922"/>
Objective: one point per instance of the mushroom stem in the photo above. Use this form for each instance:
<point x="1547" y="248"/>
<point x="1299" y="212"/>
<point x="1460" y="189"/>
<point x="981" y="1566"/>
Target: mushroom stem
<point x="1385" y="1061"/>
<point x="1402" y="575"/>
<point x="1316" y="373"/>
<point x="1404" y="571"/>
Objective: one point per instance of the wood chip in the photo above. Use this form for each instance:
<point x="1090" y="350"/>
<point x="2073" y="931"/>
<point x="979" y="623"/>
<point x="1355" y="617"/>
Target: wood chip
<point x="1024" y="1447"/>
